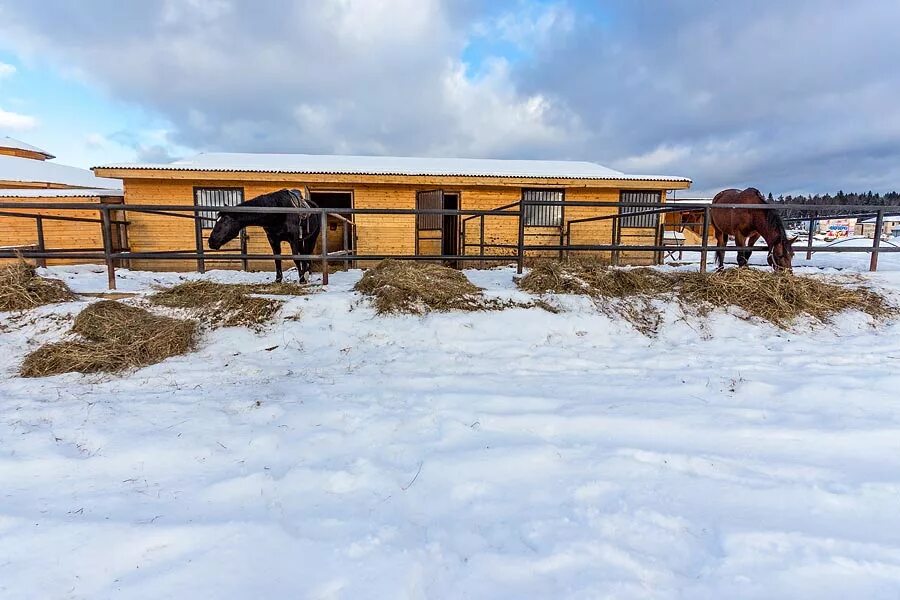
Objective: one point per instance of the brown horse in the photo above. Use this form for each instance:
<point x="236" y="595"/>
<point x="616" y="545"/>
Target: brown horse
<point x="748" y="225"/>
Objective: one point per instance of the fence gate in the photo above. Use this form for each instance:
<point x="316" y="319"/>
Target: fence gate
<point x="429" y="227"/>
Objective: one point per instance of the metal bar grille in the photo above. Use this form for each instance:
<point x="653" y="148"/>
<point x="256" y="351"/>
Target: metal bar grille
<point x="543" y="215"/>
<point x="216" y="197"/>
<point x="644" y="221"/>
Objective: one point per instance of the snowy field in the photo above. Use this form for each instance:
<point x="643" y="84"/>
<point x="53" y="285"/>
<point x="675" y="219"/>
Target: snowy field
<point x="514" y="454"/>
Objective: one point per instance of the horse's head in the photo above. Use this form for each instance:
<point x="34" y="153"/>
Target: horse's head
<point x="226" y="229"/>
<point x="782" y="254"/>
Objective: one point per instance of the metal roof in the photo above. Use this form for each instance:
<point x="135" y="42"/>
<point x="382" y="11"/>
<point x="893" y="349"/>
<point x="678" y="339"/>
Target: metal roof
<point x="391" y="165"/>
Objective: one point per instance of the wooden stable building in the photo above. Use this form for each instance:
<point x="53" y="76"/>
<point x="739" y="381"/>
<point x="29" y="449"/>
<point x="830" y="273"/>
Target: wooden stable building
<point x="371" y="182"/>
<point x="29" y="177"/>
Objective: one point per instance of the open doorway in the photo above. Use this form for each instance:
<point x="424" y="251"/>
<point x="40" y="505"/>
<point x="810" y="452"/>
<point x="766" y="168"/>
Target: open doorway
<point x="450" y="242"/>
<point x="437" y="234"/>
<point x="340" y="234"/>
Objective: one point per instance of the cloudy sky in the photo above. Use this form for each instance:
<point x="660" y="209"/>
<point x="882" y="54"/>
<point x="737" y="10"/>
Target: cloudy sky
<point x="799" y="96"/>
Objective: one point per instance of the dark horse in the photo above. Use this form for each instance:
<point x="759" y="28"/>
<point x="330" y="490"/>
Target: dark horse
<point x="298" y="230"/>
<point x="748" y="225"/>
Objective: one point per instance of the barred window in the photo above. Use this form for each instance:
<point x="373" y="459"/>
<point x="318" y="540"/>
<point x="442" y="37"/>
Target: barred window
<point x="215" y="197"/>
<point x="647" y="221"/>
<point x="543" y="215"/>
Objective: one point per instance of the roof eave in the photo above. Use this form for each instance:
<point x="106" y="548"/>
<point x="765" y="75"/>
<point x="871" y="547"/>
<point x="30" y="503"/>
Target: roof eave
<point x="115" y="171"/>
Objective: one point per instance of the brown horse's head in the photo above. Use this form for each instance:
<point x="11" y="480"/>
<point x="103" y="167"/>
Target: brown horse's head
<point x="226" y="229"/>
<point x="782" y="253"/>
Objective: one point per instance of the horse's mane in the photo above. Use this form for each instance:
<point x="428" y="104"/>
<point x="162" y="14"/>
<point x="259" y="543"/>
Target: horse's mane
<point x="773" y="217"/>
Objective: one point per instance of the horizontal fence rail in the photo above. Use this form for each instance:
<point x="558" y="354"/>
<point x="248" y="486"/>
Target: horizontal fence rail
<point x="487" y="251"/>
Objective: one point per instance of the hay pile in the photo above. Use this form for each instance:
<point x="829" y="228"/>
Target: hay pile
<point x="591" y="277"/>
<point x="21" y="288"/>
<point x="778" y="298"/>
<point x="415" y="288"/>
<point x="620" y="293"/>
<point x="227" y="305"/>
<point x="114" y="337"/>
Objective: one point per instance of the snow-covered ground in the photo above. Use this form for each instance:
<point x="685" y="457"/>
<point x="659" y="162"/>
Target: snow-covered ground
<point x="514" y="454"/>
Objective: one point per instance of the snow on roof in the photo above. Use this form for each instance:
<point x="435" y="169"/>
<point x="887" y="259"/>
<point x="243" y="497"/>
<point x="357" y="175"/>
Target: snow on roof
<point x="392" y="165"/>
<point x="8" y="142"/>
<point x="59" y="193"/>
<point x="887" y="219"/>
<point x="690" y="200"/>
<point x="25" y="170"/>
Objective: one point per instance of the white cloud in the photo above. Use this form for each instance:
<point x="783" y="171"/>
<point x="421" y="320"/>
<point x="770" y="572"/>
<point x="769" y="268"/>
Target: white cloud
<point x="490" y="118"/>
<point x="530" y="25"/>
<point x="7" y="70"/>
<point x="16" y="121"/>
<point x="96" y="140"/>
<point x="773" y="102"/>
<point x="346" y="76"/>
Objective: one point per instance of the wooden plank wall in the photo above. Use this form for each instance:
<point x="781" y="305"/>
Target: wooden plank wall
<point x="376" y="234"/>
<point x="151" y="233"/>
<point x="19" y="231"/>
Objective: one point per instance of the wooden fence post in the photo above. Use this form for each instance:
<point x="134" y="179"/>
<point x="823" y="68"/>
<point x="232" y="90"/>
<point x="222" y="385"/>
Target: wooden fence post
<point x="39" y="223"/>
<point x="323" y="233"/>
<point x="520" y="263"/>
<point x="198" y="242"/>
<point x="481" y="241"/>
<point x="876" y="241"/>
<point x="245" y="264"/>
<point x="107" y="247"/>
<point x="809" y="237"/>
<point x="704" y="239"/>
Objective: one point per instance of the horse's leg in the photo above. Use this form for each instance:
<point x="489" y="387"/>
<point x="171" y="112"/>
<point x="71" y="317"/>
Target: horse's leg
<point x="721" y="240"/>
<point x="302" y="265"/>
<point x="751" y="241"/>
<point x="740" y="240"/>
<point x="276" y="250"/>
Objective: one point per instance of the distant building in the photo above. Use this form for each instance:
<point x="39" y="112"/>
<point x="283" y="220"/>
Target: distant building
<point x="13" y="147"/>
<point x="833" y="229"/>
<point x="866" y="227"/>
<point x="29" y="177"/>
<point x="23" y="166"/>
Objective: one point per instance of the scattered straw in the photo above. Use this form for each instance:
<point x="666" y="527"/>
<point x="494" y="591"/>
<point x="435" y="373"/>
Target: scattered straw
<point x="621" y="293"/>
<point x="416" y="288"/>
<point x="778" y="298"/>
<point x="115" y="337"/>
<point x="591" y="277"/>
<point x="227" y="305"/>
<point x="21" y="288"/>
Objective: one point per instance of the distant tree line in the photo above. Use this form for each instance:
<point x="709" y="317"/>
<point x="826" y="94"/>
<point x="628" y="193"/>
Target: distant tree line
<point x="864" y="200"/>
